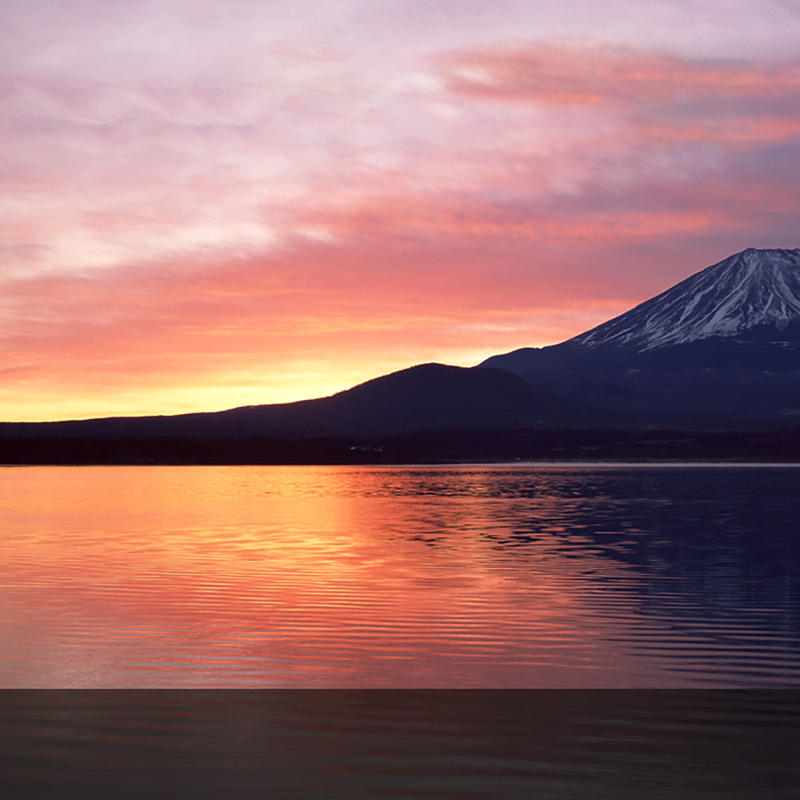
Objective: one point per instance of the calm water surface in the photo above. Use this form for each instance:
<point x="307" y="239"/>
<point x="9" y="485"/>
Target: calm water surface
<point x="396" y="577"/>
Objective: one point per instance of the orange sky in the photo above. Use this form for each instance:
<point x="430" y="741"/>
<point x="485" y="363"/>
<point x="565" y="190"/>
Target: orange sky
<point x="211" y="205"/>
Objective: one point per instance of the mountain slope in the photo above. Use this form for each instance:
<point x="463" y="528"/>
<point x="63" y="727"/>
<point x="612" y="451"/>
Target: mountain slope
<point x="757" y="291"/>
<point x="422" y="398"/>
<point x="721" y="348"/>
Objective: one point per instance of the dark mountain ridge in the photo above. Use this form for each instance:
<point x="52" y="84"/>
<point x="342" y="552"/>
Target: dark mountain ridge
<point x="421" y="398"/>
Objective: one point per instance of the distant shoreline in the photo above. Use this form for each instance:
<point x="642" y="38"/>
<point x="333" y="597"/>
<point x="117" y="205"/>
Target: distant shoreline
<point x="457" y="464"/>
<point x="417" y="448"/>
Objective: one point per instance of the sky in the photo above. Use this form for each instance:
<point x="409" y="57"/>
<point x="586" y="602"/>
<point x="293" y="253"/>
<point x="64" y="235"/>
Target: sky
<point x="207" y="204"/>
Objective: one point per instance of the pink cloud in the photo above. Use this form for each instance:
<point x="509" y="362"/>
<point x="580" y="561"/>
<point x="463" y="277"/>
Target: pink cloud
<point x="665" y="97"/>
<point x="585" y="73"/>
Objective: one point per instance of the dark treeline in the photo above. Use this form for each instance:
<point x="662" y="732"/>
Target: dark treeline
<point x="433" y="447"/>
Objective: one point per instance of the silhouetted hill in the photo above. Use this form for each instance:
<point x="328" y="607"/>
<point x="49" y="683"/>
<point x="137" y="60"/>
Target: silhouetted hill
<point x="422" y="398"/>
<point x="435" y="397"/>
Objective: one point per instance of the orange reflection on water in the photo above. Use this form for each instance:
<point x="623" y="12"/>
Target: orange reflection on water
<point x="296" y="576"/>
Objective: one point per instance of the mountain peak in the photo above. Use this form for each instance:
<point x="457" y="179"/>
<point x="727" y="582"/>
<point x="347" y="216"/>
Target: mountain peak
<point x="752" y="289"/>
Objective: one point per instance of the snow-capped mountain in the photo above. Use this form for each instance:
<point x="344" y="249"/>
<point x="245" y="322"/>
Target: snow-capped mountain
<point x="746" y="291"/>
<point x="720" y="348"/>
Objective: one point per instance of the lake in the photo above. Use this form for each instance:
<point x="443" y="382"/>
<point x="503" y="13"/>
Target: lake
<point x="520" y="576"/>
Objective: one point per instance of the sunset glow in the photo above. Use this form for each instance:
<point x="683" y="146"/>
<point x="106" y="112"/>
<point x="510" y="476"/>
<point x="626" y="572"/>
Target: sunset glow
<point x="208" y="205"/>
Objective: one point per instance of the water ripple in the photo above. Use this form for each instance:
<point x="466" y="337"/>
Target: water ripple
<point x="524" y="576"/>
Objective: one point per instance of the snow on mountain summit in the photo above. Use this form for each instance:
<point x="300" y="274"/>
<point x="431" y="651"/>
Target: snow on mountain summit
<point x="748" y="290"/>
